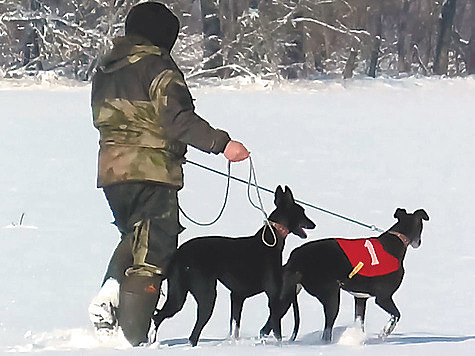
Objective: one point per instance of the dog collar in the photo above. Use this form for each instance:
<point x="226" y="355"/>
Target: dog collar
<point x="281" y="229"/>
<point x="402" y="237"/>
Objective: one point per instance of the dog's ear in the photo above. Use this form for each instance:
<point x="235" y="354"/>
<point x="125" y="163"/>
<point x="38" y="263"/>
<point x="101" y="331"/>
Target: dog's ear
<point x="278" y="196"/>
<point x="422" y="214"/>
<point x="399" y="213"/>
<point x="288" y="194"/>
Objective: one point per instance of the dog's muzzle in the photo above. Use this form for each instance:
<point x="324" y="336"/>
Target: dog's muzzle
<point x="416" y="244"/>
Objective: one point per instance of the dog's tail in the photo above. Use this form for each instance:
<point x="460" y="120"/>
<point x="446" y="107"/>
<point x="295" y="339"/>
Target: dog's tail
<point x="296" y="310"/>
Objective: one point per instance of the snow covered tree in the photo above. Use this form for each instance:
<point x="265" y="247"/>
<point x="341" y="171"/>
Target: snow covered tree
<point x="267" y="38"/>
<point x="64" y="36"/>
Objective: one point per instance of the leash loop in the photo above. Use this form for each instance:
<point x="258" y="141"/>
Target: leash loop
<point x="267" y="223"/>
<point x="222" y="208"/>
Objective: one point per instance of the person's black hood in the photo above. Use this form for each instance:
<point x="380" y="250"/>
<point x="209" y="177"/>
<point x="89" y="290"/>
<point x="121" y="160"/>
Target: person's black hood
<point x="155" y="22"/>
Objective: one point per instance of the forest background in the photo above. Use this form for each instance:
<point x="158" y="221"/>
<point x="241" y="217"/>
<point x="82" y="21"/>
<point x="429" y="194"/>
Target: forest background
<point x="269" y="39"/>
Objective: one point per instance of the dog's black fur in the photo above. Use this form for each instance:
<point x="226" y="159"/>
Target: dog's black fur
<point x="322" y="268"/>
<point x="246" y="266"/>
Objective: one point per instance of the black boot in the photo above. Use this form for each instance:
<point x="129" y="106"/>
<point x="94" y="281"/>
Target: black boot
<point x="138" y="299"/>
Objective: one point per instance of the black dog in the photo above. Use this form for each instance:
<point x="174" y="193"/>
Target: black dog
<point x="246" y="266"/>
<point x="364" y="267"/>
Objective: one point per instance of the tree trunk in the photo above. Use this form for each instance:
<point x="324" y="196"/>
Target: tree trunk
<point x="293" y="60"/>
<point x="417" y="58"/>
<point x="376" y="45"/>
<point x="350" y="64"/>
<point x="230" y="12"/>
<point x="213" y="57"/>
<point x="402" y="64"/>
<point x="471" y="50"/>
<point x="441" y="60"/>
<point x="295" y="53"/>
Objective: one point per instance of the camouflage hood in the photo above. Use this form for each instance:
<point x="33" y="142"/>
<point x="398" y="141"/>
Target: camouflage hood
<point x="128" y="50"/>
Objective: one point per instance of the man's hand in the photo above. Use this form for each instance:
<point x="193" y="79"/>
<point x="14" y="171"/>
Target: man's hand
<point x="235" y="151"/>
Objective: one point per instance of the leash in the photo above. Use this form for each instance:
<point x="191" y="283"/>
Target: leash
<point x="252" y="176"/>
<point x="258" y="187"/>
<point x="267" y="223"/>
<point x="222" y="208"/>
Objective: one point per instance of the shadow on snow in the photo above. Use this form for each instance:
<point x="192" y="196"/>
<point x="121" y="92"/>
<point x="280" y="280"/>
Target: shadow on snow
<point x="400" y="339"/>
<point x="315" y="338"/>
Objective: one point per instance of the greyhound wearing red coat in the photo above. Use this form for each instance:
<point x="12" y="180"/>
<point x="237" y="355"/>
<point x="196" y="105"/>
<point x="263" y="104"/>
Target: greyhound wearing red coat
<point x="324" y="267"/>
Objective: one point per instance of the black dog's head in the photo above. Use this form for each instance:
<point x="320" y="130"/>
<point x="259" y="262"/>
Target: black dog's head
<point x="289" y="213"/>
<point x="411" y="225"/>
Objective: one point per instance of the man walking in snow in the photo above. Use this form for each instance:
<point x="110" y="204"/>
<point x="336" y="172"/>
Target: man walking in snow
<point x="145" y="115"/>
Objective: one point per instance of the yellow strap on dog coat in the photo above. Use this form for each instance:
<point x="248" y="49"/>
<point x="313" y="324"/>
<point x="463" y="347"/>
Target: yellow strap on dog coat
<point x="356" y="269"/>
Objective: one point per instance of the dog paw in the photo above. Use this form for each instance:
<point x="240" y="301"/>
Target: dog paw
<point x="153" y="335"/>
<point x="389" y="327"/>
<point x="263" y="339"/>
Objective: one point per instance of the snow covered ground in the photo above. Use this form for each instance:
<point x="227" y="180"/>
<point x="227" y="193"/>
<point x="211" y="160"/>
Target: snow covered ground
<point x="360" y="148"/>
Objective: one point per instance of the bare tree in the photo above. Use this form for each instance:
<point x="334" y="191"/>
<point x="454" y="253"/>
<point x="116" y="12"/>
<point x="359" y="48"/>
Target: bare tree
<point x="213" y="56"/>
<point x="441" y="60"/>
<point x="402" y="42"/>
<point x="350" y="64"/>
<point x="377" y="36"/>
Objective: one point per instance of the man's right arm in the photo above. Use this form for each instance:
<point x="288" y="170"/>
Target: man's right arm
<point x="174" y="106"/>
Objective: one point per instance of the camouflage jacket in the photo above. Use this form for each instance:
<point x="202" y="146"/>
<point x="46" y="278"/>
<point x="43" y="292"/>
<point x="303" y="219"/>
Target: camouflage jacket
<point x="145" y="116"/>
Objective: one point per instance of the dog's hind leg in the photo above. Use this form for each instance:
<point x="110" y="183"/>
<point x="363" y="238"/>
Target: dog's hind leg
<point x="329" y="296"/>
<point x="176" y="297"/>
<point x="290" y="289"/>
<point x="205" y="296"/>
<point x="388" y="305"/>
<point x="237" y="302"/>
<point x="360" y="311"/>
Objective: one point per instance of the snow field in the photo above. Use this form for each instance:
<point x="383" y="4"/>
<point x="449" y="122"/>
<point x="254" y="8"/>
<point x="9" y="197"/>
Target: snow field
<point x="360" y="148"/>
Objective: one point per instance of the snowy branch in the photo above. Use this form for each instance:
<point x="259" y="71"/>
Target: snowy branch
<point x="345" y="31"/>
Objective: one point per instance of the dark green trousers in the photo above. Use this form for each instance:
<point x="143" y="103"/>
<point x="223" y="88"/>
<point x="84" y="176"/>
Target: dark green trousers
<point x="146" y="214"/>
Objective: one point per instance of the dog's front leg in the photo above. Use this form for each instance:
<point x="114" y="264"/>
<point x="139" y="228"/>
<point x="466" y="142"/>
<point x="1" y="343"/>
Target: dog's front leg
<point x="360" y="311"/>
<point x="267" y="328"/>
<point x="388" y="305"/>
<point x="285" y="301"/>
<point x="236" y="312"/>
<point x="275" y="319"/>
<point x="275" y="312"/>
<point x="389" y="327"/>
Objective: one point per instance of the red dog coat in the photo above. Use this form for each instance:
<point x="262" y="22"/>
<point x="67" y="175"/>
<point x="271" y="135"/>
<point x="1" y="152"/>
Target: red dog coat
<point x="376" y="261"/>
